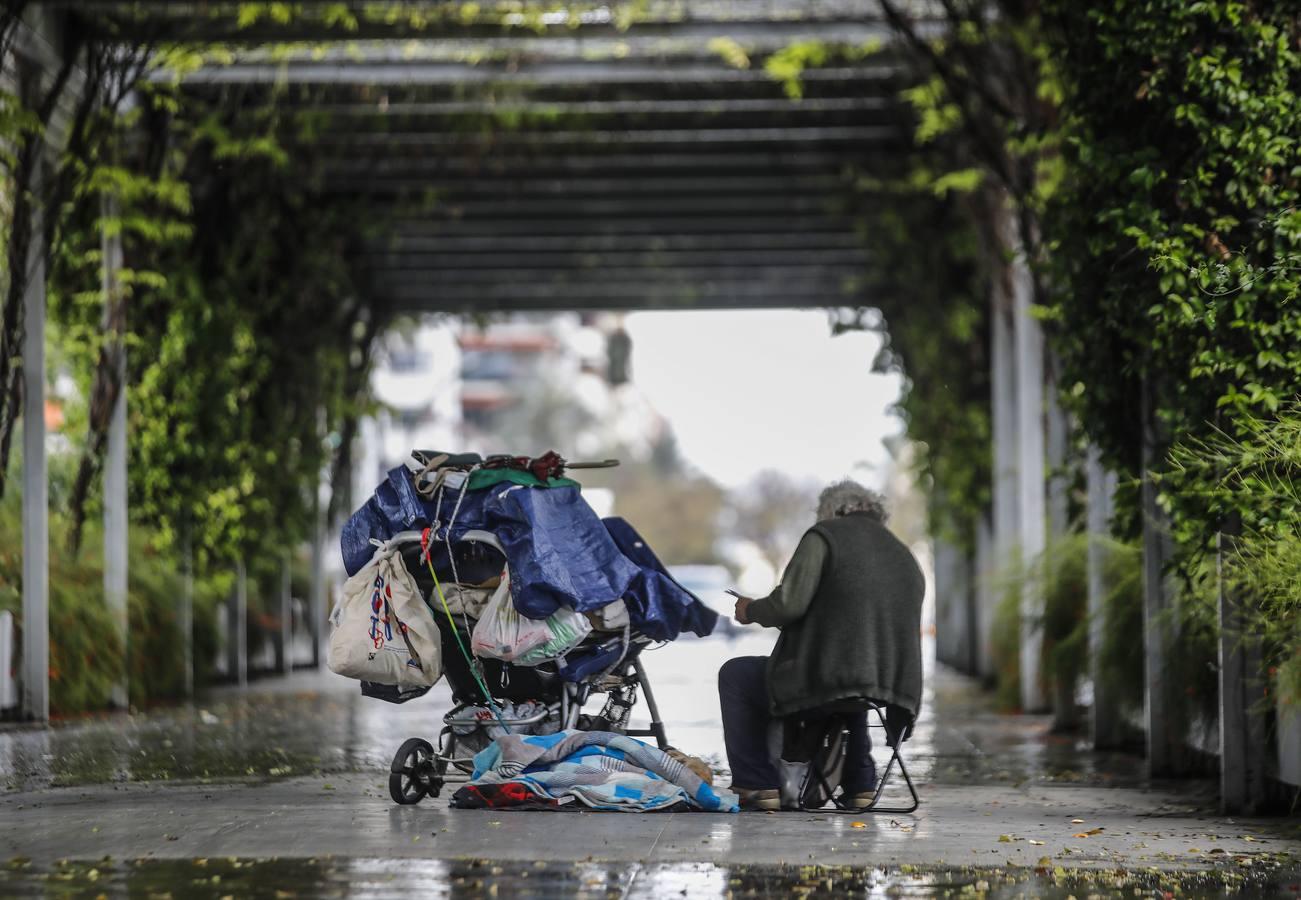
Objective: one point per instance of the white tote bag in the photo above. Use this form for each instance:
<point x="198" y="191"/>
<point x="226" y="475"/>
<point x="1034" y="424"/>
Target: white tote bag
<point x="383" y="631"/>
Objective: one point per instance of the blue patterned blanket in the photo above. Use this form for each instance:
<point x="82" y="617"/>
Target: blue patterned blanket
<point x="597" y="768"/>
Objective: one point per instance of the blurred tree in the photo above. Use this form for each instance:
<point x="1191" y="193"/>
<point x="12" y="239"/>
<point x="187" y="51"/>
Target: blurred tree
<point x="678" y="515"/>
<point x="772" y="511"/>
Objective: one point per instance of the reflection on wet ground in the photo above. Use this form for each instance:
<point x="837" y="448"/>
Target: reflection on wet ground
<point x="231" y="877"/>
<point x="318" y="723"/>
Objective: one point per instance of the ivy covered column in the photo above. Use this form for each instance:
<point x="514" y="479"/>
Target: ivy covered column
<point x="1165" y="749"/>
<point x="1244" y="753"/>
<point x="1031" y="474"/>
<point x="115" y="458"/>
<point x="36" y="496"/>
<point x="1004" y="537"/>
<point x="1105" y="725"/>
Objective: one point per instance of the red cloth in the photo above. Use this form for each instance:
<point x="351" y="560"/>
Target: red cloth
<point x="507" y="795"/>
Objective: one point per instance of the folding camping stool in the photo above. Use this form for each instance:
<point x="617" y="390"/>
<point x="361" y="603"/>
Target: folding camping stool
<point x="813" y="754"/>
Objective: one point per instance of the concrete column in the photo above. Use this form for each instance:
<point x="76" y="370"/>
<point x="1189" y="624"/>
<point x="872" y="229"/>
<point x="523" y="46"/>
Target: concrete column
<point x="36" y="500"/>
<point x="115" y="459"/>
<point x="1105" y="725"/>
<point x="284" y="662"/>
<point x="1058" y="447"/>
<point x="1031" y="472"/>
<point x="1243" y="752"/>
<point x="1004" y="536"/>
<point x="185" y="610"/>
<point x="1165" y="752"/>
<point x="984" y="598"/>
<point x="236" y="630"/>
<point x="316" y="602"/>
<point x="953" y="623"/>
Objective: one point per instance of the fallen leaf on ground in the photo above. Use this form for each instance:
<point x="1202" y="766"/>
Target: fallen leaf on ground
<point x="1077" y="821"/>
<point x="1005" y="838"/>
<point x="1035" y="843"/>
<point x="1090" y="833"/>
<point x="857" y="824"/>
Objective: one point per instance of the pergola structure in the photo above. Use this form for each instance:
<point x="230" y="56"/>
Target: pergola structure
<point x="581" y="158"/>
<point x="632" y="155"/>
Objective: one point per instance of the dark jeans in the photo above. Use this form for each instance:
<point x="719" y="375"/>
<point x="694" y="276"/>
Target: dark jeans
<point x="743" y="693"/>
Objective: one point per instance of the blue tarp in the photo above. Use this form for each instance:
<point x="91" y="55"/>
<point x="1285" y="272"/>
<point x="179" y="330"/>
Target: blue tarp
<point x="660" y="608"/>
<point x="560" y="553"/>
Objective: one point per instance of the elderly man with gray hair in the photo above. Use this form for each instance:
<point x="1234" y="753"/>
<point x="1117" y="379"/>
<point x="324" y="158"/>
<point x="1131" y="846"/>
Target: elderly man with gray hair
<point x="849" y="610"/>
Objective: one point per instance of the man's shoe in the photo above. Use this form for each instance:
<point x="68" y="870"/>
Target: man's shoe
<point x="762" y="800"/>
<point x="858" y="801"/>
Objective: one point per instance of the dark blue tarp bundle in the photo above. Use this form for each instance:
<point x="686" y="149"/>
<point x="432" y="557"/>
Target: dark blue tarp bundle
<point x="659" y="607"/>
<point x="560" y="553"/>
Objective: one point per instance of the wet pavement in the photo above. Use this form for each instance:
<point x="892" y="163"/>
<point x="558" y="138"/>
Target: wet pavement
<point x="383" y="878"/>
<point x="283" y="789"/>
<point x="317" y="723"/>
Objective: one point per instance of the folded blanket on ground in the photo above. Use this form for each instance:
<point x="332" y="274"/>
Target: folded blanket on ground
<point x="599" y="769"/>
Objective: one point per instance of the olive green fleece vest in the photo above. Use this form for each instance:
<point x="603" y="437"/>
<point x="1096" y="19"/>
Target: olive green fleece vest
<point x="861" y="636"/>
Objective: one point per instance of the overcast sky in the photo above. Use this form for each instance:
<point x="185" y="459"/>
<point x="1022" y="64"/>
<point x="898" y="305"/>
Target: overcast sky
<point x="760" y="389"/>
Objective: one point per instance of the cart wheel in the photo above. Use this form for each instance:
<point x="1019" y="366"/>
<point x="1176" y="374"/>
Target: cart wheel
<point x="408" y="781"/>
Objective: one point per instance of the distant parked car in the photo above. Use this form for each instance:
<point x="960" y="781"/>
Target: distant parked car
<point x="709" y="584"/>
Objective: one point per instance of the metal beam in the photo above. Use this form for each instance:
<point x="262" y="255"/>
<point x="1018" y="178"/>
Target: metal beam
<point x="634" y="225"/>
<point x="505" y="260"/>
<point x="850" y="28"/>
<point x="615" y="278"/>
<point x="877" y="80"/>
<point x="541" y="117"/>
<point x="503" y="163"/>
<point x="505" y="245"/>
<point x="409" y="72"/>
<point x="647" y="207"/>
<point x="686" y="39"/>
<point x="562" y="303"/>
<point x="450" y="191"/>
<point x="813" y="136"/>
<point x="428" y="294"/>
<point x="404" y="111"/>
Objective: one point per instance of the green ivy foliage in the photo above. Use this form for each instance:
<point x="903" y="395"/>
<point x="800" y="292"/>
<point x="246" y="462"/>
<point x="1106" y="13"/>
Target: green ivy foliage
<point x="933" y="318"/>
<point x="1175" y="234"/>
<point x="248" y="318"/>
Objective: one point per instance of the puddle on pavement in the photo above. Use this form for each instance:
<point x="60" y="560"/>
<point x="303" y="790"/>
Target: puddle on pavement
<point x="283" y="878"/>
<point x="317" y="723"/>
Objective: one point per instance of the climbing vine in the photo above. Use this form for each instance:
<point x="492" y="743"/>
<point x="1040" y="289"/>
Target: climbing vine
<point x="1178" y="223"/>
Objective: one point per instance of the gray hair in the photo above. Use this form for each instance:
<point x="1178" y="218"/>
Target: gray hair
<point x="845" y="497"/>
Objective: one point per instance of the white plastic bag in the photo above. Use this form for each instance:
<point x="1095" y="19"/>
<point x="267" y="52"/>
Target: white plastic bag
<point x="383" y="631"/>
<point x="502" y="633"/>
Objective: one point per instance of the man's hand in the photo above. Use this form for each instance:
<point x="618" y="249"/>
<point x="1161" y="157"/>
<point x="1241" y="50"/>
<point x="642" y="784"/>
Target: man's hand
<point x="743" y="609"/>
